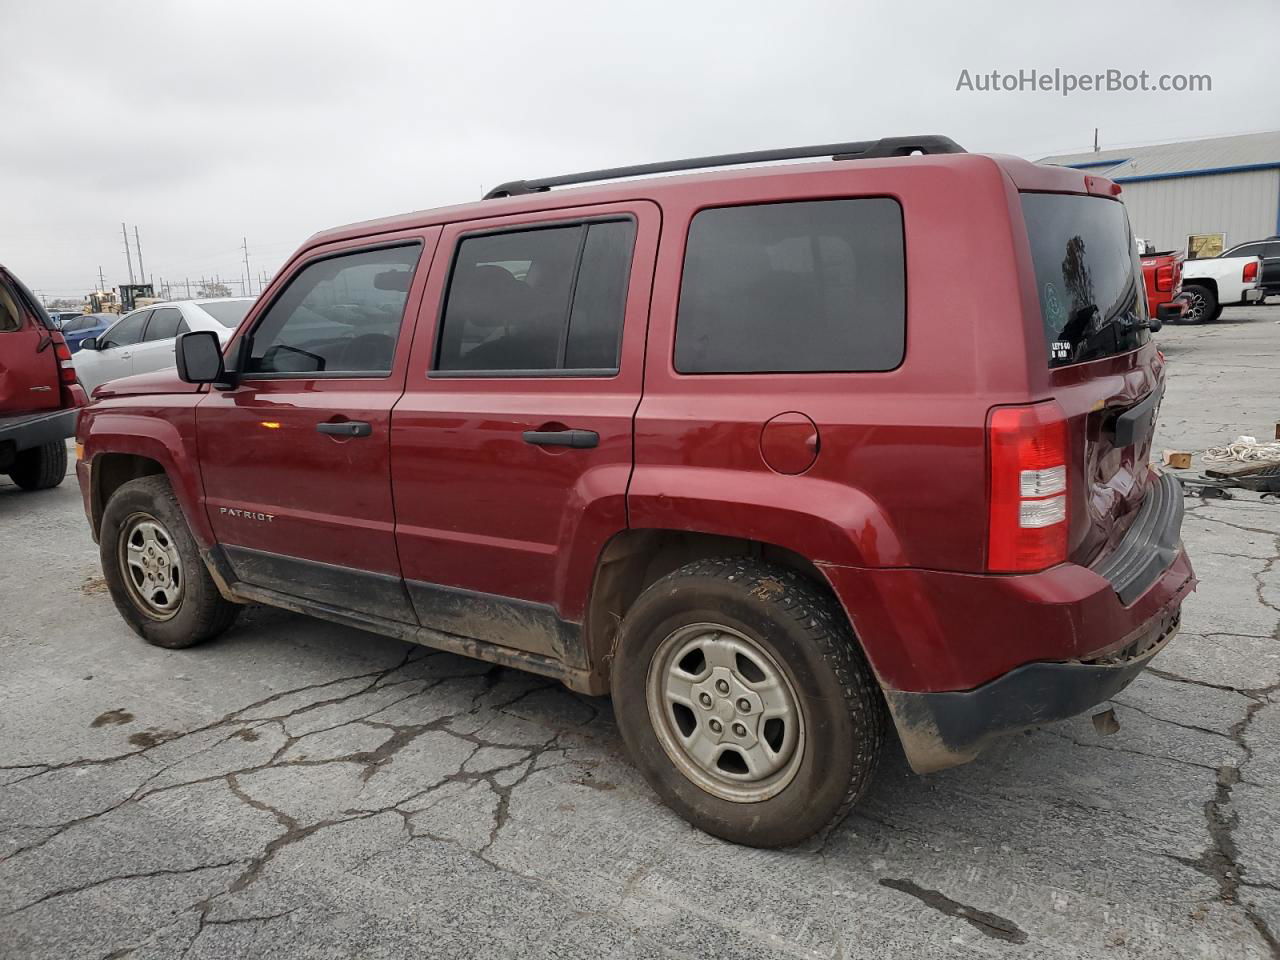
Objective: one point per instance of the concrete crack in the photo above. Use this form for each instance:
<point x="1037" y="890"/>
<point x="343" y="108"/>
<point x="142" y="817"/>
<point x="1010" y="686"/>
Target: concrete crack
<point x="67" y="891"/>
<point x="1219" y="861"/>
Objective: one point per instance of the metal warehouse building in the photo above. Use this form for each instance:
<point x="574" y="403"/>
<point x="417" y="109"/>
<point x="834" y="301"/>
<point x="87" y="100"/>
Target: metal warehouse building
<point x="1228" y="185"/>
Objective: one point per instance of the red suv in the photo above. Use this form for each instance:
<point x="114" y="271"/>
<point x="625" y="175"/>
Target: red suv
<point x="780" y="457"/>
<point x="39" y="394"/>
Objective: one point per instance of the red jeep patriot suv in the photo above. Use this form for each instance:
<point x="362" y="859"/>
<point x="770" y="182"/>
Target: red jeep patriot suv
<point x="777" y="456"/>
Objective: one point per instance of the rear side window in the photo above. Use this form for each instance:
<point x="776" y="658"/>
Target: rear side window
<point x="535" y="301"/>
<point x="807" y="287"/>
<point x="229" y="313"/>
<point x="10" y="316"/>
<point x="1088" y="276"/>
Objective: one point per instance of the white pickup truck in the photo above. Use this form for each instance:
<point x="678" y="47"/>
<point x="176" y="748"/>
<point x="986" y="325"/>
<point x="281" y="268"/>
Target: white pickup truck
<point x="1210" y="284"/>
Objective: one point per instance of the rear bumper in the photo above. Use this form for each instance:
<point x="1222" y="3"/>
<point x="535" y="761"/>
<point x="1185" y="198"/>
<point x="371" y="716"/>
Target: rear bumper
<point x="38" y="428"/>
<point x="940" y="730"/>
<point x="965" y="657"/>
<point x="1253" y="295"/>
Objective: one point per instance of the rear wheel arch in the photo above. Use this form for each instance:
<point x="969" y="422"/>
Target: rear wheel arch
<point x="635" y="558"/>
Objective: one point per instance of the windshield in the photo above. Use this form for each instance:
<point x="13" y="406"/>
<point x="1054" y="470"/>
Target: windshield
<point x="229" y="313"/>
<point x="1088" y="276"/>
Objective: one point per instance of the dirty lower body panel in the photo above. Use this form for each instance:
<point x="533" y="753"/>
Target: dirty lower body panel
<point x="940" y="730"/>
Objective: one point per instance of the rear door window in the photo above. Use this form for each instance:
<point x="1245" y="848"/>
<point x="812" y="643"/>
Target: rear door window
<point x="166" y="323"/>
<point x="10" y="315"/>
<point x="802" y="287"/>
<point x="1088" y="276"/>
<point x="538" y="301"/>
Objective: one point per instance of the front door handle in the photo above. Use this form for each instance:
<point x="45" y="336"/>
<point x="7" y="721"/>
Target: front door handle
<point x="346" y="428"/>
<point x="562" y="438"/>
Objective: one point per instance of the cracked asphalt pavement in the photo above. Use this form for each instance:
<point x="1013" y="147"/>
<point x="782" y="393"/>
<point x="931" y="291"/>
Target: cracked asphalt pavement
<point x="305" y="790"/>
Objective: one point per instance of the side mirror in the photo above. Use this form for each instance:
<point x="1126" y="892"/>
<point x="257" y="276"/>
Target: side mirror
<point x="199" y="356"/>
<point x="89" y="343"/>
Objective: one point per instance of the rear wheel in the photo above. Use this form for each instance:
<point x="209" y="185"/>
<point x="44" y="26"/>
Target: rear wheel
<point x="40" y="467"/>
<point x="745" y="702"/>
<point x="1202" y="304"/>
<point x="154" y="570"/>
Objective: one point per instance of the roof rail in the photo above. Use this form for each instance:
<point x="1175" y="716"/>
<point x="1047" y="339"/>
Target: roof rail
<point x="859" y="150"/>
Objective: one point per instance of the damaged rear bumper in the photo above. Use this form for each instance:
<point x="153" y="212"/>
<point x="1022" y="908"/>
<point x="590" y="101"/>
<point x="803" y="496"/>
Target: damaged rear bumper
<point x="940" y="730"/>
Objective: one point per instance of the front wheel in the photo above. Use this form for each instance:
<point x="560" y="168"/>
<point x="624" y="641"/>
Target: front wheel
<point x="154" y="570"/>
<point x="745" y="702"/>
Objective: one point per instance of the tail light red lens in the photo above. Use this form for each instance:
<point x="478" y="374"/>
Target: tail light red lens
<point x="1164" y="277"/>
<point x="66" y="368"/>
<point x="1250" y="273"/>
<point x="1027" y="453"/>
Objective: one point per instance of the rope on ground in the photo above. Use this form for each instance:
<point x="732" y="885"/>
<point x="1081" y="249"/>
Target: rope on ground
<point x="1244" y="450"/>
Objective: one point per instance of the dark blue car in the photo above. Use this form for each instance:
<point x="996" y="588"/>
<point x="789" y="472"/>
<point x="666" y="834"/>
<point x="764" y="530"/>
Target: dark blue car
<point x="77" y="329"/>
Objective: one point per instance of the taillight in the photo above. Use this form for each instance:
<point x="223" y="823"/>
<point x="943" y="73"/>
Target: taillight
<point x="66" y="368"/>
<point x="1164" y="277"/>
<point x="1027" y="452"/>
<point x="1250" y="273"/>
<point x="72" y="393"/>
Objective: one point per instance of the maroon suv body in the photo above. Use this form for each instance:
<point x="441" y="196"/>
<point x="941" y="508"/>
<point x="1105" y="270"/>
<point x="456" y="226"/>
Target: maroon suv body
<point x="39" y="395"/>
<point x="757" y="450"/>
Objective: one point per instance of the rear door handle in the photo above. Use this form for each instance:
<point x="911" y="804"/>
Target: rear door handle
<point x="346" y="428"/>
<point x="562" y="438"/>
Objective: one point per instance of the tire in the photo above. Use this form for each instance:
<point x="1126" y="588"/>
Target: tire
<point x="172" y="608"/>
<point x="1217" y="312"/>
<point x="40" y="468"/>
<point x="1202" y="304"/>
<point x="798" y="644"/>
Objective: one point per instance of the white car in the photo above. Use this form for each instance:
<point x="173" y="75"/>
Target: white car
<point x="1215" y="282"/>
<point x="143" y="341"/>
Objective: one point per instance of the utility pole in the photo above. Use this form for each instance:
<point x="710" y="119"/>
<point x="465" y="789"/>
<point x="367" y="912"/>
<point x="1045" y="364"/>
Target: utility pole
<point x="247" y="274"/>
<point x="1095" y="139"/>
<point x="142" y="273"/>
<point x="127" y="255"/>
<point x="188" y="279"/>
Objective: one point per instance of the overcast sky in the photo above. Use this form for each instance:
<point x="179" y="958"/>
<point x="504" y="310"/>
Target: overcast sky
<point x="204" y="123"/>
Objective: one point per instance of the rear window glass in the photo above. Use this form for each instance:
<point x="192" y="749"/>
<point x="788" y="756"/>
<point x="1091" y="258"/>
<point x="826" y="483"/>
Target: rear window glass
<point x="805" y="287"/>
<point x="1088" y="276"/>
<point x="229" y="313"/>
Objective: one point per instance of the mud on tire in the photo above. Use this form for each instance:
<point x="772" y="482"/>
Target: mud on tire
<point x="144" y="520"/>
<point x="795" y="657"/>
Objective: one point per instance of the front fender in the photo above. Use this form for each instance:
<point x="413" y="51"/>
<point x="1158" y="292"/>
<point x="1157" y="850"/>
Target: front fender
<point x="821" y="520"/>
<point x="159" y="429"/>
